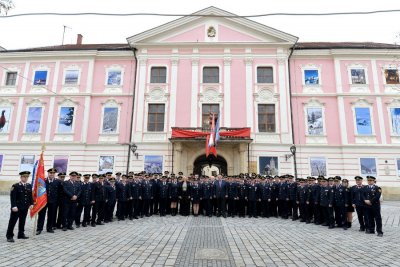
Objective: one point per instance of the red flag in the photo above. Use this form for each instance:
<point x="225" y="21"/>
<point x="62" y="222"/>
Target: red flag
<point x="39" y="193"/>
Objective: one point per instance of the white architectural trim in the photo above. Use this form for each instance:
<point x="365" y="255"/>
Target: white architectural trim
<point x="338" y="76"/>
<point x="364" y="138"/>
<point x="109" y="88"/>
<point x="173" y="94"/>
<point x="90" y="76"/>
<point x="50" y="119"/>
<point x="395" y="103"/>
<point x="312" y="88"/>
<point x="140" y="95"/>
<point x="85" y="125"/>
<point x="314" y="157"/>
<point x="34" y="103"/>
<point x="249" y="92"/>
<point x="194" y="92"/>
<point x="227" y="92"/>
<point x="266" y="96"/>
<point x="10" y="88"/>
<point x="67" y="102"/>
<point x="283" y="103"/>
<point x="315" y="138"/>
<point x="381" y="120"/>
<point x="5" y="102"/>
<point x="40" y="88"/>
<point x="19" y="114"/>
<point x="342" y="120"/>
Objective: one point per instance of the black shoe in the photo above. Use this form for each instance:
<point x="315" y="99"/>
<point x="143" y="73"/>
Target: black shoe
<point x="50" y="231"/>
<point x="11" y="240"/>
<point x="59" y="227"/>
<point x="344" y="227"/>
<point x="361" y="229"/>
<point x="99" y="223"/>
<point x="54" y="228"/>
<point x="64" y="229"/>
<point x="70" y="228"/>
<point x="370" y="232"/>
<point x="331" y="227"/>
<point x="136" y="218"/>
<point x="38" y="232"/>
<point x="23" y="237"/>
<point x="93" y="225"/>
<point x="308" y="222"/>
<point x="380" y="234"/>
<point x="84" y="225"/>
<point x="78" y="225"/>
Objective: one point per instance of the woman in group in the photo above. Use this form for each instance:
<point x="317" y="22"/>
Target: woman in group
<point x="184" y="196"/>
<point x="173" y="195"/>
<point x="349" y="207"/>
<point x="195" y="196"/>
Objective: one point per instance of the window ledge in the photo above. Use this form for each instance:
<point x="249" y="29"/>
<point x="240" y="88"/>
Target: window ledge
<point x="395" y="139"/>
<point x="4" y="136"/>
<point x="31" y="137"/>
<point x="312" y="88"/>
<point x="316" y="139"/>
<point x="8" y="89"/>
<point x="392" y="88"/>
<point x="64" y="137"/>
<point x="108" y="138"/>
<point x="113" y="89"/>
<point x="154" y="136"/>
<point x="38" y="89"/>
<point x="365" y="139"/>
<point x="267" y="137"/>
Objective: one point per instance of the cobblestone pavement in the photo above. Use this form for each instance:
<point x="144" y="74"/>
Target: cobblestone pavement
<point x="201" y="241"/>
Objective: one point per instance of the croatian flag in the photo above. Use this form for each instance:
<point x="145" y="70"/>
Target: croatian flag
<point x="216" y="132"/>
<point x="39" y="193"/>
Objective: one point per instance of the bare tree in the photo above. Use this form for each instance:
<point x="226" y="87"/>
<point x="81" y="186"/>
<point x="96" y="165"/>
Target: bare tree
<point x="5" y="6"/>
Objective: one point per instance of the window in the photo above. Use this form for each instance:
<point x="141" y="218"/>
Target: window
<point x="368" y="166"/>
<point x="40" y="77"/>
<point x="60" y="163"/>
<point x="11" y="78"/>
<point x="266" y="118"/>
<point x="363" y="121"/>
<point x="71" y="77"/>
<point x="265" y="75"/>
<point x="358" y="76"/>
<point x="158" y="75"/>
<point x="315" y="123"/>
<point x="110" y="120"/>
<point x="5" y="114"/>
<point x="33" y="119"/>
<point x="395" y="117"/>
<point x="155" y="122"/>
<point x="311" y="77"/>
<point x="66" y="120"/>
<point x="114" y="77"/>
<point x="206" y="111"/>
<point x="210" y="75"/>
<point x="391" y="76"/>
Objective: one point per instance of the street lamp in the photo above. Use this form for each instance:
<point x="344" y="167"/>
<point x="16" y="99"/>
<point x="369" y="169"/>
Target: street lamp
<point x="292" y="151"/>
<point x="133" y="148"/>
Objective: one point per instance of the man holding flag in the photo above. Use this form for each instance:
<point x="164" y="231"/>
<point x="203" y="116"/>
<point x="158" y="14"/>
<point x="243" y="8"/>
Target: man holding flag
<point x="21" y="201"/>
<point x="39" y="194"/>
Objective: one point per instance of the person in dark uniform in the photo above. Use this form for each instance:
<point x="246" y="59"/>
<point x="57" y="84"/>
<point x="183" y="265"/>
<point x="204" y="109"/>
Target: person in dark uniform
<point x="95" y="179"/>
<point x="60" y="199"/>
<point x="173" y="195"/>
<point x="71" y="194"/>
<point x="253" y="195"/>
<point x="304" y="193"/>
<point x="129" y="202"/>
<point x="349" y="207"/>
<point x="111" y="199"/>
<point x="195" y="196"/>
<point x="266" y="197"/>
<point x="136" y="194"/>
<point x="21" y="202"/>
<point x="358" y="203"/>
<point x="52" y="187"/>
<point x="233" y="196"/>
<point x="274" y="196"/>
<point x="79" y="207"/>
<point x="85" y="202"/>
<point x="326" y="203"/>
<point x="371" y="196"/>
<point x="147" y="196"/>
<point x="314" y="208"/>
<point x="242" y="198"/>
<point x="220" y="192"/>
<point x="163" y="195"/>
<point x="123" y="194"/>
<point x="293" y="209"/>
<point x="184" y="197"/>
<point x="156" y="202"/>
<point x="340" y="199"/>
<point x="99" y="195"/>
<point x="283" y="197"/>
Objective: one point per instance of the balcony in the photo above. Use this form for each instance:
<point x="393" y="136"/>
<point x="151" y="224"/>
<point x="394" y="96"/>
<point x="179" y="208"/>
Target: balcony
<point x="226" y="134"/>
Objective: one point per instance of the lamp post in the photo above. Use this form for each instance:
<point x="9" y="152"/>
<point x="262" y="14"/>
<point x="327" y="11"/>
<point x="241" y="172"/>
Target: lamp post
<point x="292" y="154"/>
<point x="133" y="148"/>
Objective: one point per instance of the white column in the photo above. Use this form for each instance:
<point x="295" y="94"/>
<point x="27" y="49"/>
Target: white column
<point x="173" y="89"/>
<point x="249" y="92"/>
<point x="342" y="113"/>
<point x="195" y="89"/>
<point x="86" y="113"/>
<point x="18" y="120"/>
<point x="283" y="103"/>
<point x="381" y="119"/>
<point x="227" y="92"/>
<point x="90" y="76"/>
<point x="50" y="119"/>
<point x="139" y="110"/>
<point x="24" y="81"/>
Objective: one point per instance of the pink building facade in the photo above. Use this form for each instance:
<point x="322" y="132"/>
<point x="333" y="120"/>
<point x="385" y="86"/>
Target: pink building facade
<point x="338" y="103"/>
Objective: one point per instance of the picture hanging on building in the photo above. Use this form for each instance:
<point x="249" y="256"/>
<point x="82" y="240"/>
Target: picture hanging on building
<point x="26" y="163"/>
<point x="60" y="163"/>
<point x="1" y="162"/>
<point x="33" y="119"/>
<point x="66" y="119"/>
<point x="398" y="167"/>
<point x="358" y="76"/>
<point x="368" y="166"/>
<point x="106" y="164"/>
<point x="71" y="77"/>
<point x="311" y="77"/>
<point x="268" y="166"/>
<point x="110" y="120"/>
<point x="395" y="116"/>
<point x="363" y="121"/>
<point x="315" y="124"/>
<point x="318" y="166"/>
<point x="153" y="164"/>
<point x="114" y="77"/>
<point x="5" y="113"/>
<point x="40" y="77"/>
<point x="392" y="76"/>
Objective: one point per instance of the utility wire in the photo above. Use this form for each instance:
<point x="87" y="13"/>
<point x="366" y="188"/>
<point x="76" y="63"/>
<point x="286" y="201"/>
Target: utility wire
<point x="200" y="15"/>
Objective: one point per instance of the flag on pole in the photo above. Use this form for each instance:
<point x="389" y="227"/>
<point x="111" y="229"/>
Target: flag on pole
<point x="39" y="193"/>
<point x="210" y="140"/>
<point x="216" y="131"/>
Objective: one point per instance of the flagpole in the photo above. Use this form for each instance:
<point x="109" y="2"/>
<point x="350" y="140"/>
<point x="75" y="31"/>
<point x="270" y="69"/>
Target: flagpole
<point x="34" y="226"/>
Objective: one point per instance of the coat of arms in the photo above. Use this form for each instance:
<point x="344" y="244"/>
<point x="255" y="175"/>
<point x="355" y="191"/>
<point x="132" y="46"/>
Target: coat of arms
<point x="211" y="32"/>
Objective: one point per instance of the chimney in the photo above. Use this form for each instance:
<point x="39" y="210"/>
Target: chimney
<point x="79" y="39"/>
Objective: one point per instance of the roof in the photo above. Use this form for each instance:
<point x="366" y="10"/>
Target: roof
<point x="344" y="45"/>
<point x="126" y="47"/>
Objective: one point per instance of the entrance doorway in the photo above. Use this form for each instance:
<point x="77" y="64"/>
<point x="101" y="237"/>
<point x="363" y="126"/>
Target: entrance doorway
<point x="210" y="166"/>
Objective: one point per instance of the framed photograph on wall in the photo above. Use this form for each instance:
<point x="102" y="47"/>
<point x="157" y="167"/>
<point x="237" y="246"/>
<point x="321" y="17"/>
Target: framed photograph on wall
<point x="106" y="164"/>
<point x="392" y="76"/>
<point x="363" y="121"/>
<point x="358" y="76"/>
<point x="114" y="77"/>
<point x="33" y="119"/>
<point x="368" y="166"/>
<point x="153" y="164"/>
<point x="311" y="77"/>
<point x="26" y="163"/>
<point x="315" y="123"/>
<point x="398" y="167"/>
<point x="395" y="120"/>
<point x="318" y="166"/>
<point x="66" y="119"/>
<point x="268" y="165"/>
<point x="1" y="162"/>
<point x="60" y="163"/>
<point x="110" y="120"/>
<point x="5" y="113"/>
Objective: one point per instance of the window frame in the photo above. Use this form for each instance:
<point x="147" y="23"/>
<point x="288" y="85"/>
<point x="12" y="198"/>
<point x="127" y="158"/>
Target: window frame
<point x="371" y="119"/>
<point x="158" y="66"/>
<point x="47" y="77"/>
<point x="265" y="66"/>
<point x="155" y="123"/>
<point x="6" y="78"/>
<point x="203" y="115"/>
<point x="65" y="76"/>
<point x="73" y="121"/>
<point x="266" y="114"/>
<point x="210" y="66"/>
<point x="41" y="119"/>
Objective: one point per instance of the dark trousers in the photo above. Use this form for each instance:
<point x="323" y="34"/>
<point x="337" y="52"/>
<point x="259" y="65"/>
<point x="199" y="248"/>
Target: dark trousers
<point x="208" y="207"/>
<point x="163" y="206"/>
<point x="78" y="214"/>
<point x="341" y="215"/>
<point x="265" y="206"/>
<point x="41" y="218"/>
<point x="304" y="212"/>
<point x="184" y="207"/>
<point x="86" y="214"/>
<point x="136" y="207"/>
<point x="293" y="209"/>
<point x="232" y="207"/>
<point x="109" y="211"/>
<point x="221" y="203"/>
<point x="374" y="219"/>
<point x="129" y="209"/>
<point x="121" y="207"/>
<point x="51" y="209"/>
<point x="146" y="207"/>
<point x="252" y="209"/>
<point x="215" y="206"/>
<point x="362" y="216"/>
<point x="60" y="215"/>
<point x="273" y="208"/>
<point x="14" y="217"/>
<point x="282" y="207"/>
<point x="98" y="212"/>
<point x="69" y="213"/>
<point x="156" y="205"/>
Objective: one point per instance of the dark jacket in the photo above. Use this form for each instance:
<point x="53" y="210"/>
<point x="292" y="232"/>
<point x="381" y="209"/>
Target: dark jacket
<point x="52" y="189"/>
<point x="21" y="196"/>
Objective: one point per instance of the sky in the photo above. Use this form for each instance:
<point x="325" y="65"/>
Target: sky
<point x="34" y="31"/>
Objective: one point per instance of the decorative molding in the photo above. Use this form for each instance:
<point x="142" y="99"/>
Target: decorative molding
<point x="143" y="61"/>
<point x="154" y="137"/>
<point x="211" y="95"/>
<point x="265" y="95"/>
<point x="313" y="102"/>
<point x="227" y="61"/>
<point x="5" y="102"/>
<point x="8" y="90"/>
<point x="312" y="89"/>
<point x="69" y="90"/>
<point x="395" y="139"/>
<point x="112" y="103"/>
<point x="248" y="61"/>
<point x="195" y="61"/>
<point x="392" y="88"/>
<point x="35" y="102"/>
<point x="68" y="102"/>
<point x="38" y="89"/>
<point x="365" y="139"/>
<point x="316" y="139"/>
<point x="108" y="138"/>
<point x="395" y="102"/>
<point x="174" y="61"/>
<point x="362" y="102"/>
<point x="62" y="137"/>
<point x="31" y="137"/>
<point x="267" y="138"/>
<point x="113" y="89"/>
<point x="359" y="88"/>
<point x="156" y="94"/>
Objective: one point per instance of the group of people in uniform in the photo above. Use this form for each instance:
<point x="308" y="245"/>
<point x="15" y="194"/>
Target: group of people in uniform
<point x="91" y="199"/>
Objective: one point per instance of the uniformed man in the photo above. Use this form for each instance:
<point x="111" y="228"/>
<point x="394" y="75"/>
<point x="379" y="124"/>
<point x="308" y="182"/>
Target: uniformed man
<point x="163" y="195"/>
<point x="233" y="196"/>
<point x="326" y="203"/>
<point x="100" y="196"/>
<point x="85" y="202"/>
<point x="266" y="197"/>
<point x="111" y="199"/>
<point x="147" y="196"/>
<point x="220" y="192"/>
<point x="72" y="192"/>
<point x="242" y="197"/>
<point x="60" y="199"/>
<point x="358" y="203"/>
<point x="79" y="206"/>
<point x="303" y="200"/>
<point x="21" y="202"/>
<point x="314" y="208"/>
<point x="293" y="209"/>
<point x="340" y="198"/>
<point x="283" y="197"/>
<point x="52" y="187"/>
<point x="136" y="194"/>
<point x="371" y="196"/>
<point x="253" y="195"/>
<point x="123" y="194"/>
